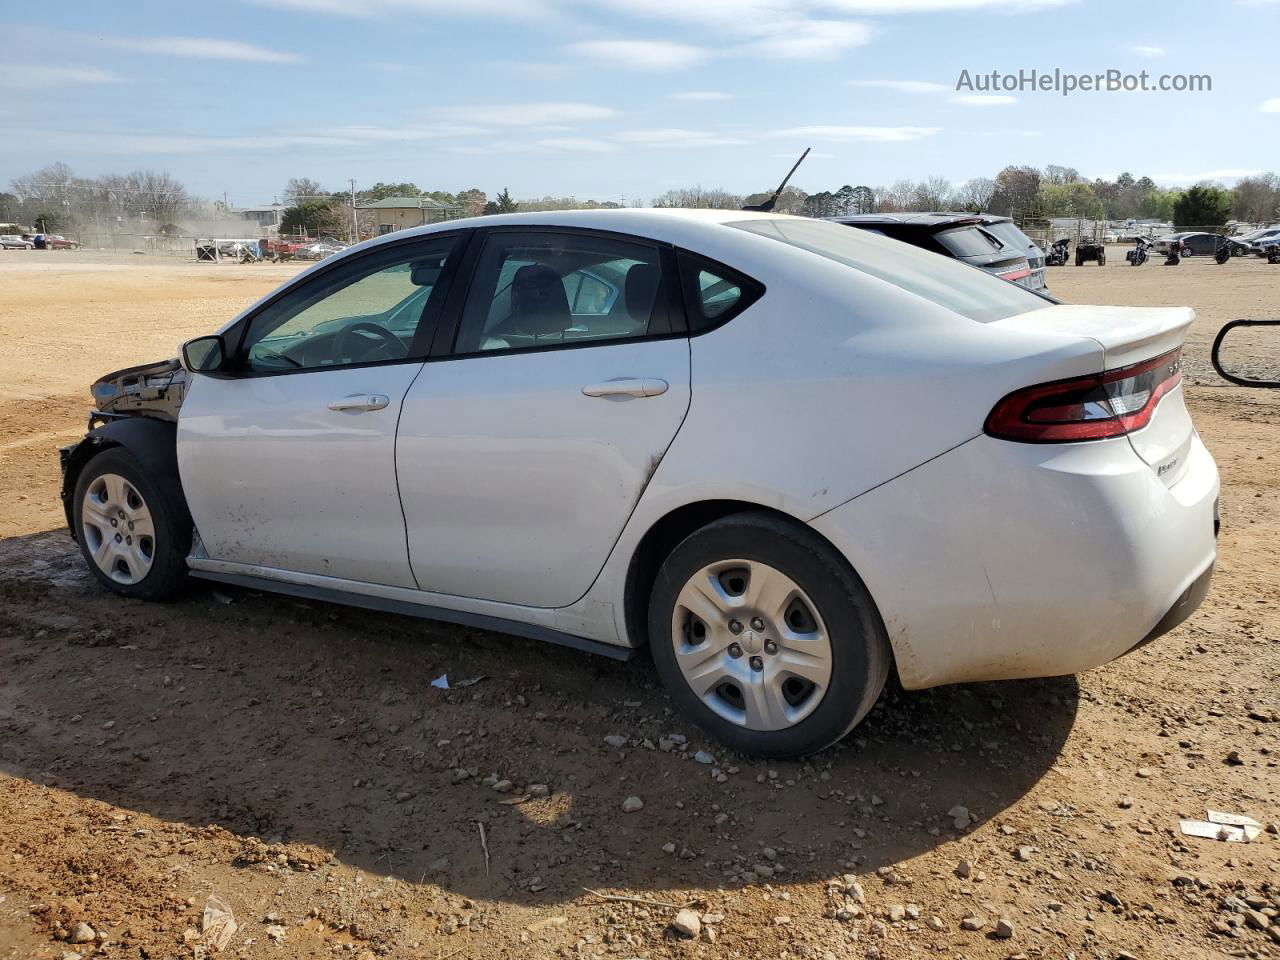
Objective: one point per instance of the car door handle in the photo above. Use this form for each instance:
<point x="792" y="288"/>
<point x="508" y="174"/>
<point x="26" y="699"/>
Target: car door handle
<point x="360" y="402"/>
<point x="637" y="387"/>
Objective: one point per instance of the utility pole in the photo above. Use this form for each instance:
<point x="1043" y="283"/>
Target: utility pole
<point x="355" y="228"/>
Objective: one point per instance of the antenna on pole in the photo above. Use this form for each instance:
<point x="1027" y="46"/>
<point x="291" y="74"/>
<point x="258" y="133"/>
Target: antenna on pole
<point x="767" y="206"/>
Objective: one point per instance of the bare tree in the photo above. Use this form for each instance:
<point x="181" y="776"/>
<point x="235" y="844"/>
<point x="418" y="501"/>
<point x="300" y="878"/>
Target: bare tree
<point x="303" y="188"/>
<point x="900" y="196"/>
<point x="700" y="198"/>
<point x="975" y="194"/>
<point x="933" y="194"/>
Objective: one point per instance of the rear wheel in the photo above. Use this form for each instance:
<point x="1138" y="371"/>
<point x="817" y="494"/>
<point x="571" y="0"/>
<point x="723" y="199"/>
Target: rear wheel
<point x="133" y="528"/>
<point x="1102" y="259"/>
<point x="765" y="638"/>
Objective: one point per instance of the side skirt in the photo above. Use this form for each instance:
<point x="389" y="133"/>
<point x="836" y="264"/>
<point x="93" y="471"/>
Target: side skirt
<point x="422" y="611"/>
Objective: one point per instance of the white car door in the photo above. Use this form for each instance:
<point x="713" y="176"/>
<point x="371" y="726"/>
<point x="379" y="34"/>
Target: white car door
<point x="288" y="457"/>
<point x="522" y="453"/>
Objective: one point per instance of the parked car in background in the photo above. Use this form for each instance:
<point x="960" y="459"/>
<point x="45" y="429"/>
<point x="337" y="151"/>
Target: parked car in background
<point x="785" y="455"/>
<point x="1195" y="243"/>
<point x="56" y="241"/>
<point x="12" y="241"/>
<point x="1258" y="241"/>
<point x="1008" y="231"/>
<point x="318" y="250"/>
<point x="961" y="236"/>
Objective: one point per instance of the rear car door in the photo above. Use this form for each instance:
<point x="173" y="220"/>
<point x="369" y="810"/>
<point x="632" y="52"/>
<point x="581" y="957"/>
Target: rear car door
<point x="525" y="445"/>
<point x="288" y="458"/>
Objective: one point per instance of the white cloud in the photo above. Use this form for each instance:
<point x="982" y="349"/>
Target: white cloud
<point x="672" y="137"/>
<point x="938" y="6"/>
<point x="642" y="54"/>
<point x="700" y="96"/>
<point x="929" y="87"/>
<point x="527" y="114"/>
<point x="1271" y="106"/>
<point x="804" y="39"/>
<point x="386" y="8"/>
<point x="984" y="100"/>
<point x="868" y="134"/>
<point x="155" y="143"/>
<point x="23" y="76"/>
<point x="1146" y="50"/>
<point x="544" y="145"/>
<point x="1180" y="178"/>
<point x="201" y="48"/>
<point x="359" y="133"/>
<point x="904" y="86"/>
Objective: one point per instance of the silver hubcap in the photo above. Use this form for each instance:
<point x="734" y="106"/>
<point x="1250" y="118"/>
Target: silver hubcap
<point x="751" y="644"/>
<point x="117" y="529"/>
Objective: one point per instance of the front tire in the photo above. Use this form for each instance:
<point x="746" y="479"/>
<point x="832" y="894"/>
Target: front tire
<point x="133" y="528"/>
<point x="765" y="637"/>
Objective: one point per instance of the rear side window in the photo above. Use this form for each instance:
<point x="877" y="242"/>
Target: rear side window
<point x="967" y="290"/>
<point x="1008" y="231"/>
<point x="714" y="293"/>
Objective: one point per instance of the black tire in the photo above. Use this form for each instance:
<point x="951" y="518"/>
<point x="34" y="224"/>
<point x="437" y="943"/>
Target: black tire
<point x="1079" y="259"/>
<point x="1102" y="259"/>
<point x="860" y="649"/>
<point x="172" y="526"/>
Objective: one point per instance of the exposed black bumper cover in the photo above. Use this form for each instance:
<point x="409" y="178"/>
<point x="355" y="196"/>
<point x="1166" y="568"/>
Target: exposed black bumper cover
<point x="1182" y="608"/>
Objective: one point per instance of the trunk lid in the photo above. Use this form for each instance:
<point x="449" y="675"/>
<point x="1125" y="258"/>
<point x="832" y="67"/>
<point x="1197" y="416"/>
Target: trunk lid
<point x="1130" y="335"/>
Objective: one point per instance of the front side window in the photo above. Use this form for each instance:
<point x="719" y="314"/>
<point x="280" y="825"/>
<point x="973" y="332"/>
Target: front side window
<point x="551" y="289"/>
<point x="365" y="312"/>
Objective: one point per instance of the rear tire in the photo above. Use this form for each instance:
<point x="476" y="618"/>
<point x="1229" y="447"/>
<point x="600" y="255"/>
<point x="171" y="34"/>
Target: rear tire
<point x="133" y="527"/>
<point x="812" y="654"/>
<point x="1102" y="259"/>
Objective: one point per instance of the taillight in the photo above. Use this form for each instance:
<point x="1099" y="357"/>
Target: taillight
<point x="1108" y="404"/>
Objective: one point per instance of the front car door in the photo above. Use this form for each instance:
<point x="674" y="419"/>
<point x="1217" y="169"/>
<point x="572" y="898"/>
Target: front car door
<point x="288" y="458"/>
<point x="524" y="448"/>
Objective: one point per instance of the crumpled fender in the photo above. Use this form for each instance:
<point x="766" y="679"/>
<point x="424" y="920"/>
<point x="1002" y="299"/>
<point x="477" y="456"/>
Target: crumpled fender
<point x="153" y="442"/>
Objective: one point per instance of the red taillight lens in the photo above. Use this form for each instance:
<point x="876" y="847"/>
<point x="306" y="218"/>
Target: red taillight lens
<point x="1108" y="404"/>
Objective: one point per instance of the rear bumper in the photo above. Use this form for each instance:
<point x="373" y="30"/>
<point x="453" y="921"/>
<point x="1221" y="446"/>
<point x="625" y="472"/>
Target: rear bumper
<point x="1002" y="560"/>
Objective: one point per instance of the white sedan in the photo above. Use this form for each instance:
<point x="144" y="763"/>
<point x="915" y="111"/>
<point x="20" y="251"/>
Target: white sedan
<point x="785" y="455"/>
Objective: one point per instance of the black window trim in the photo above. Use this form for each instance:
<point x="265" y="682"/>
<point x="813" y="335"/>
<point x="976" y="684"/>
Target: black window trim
<point x="443" y="347"/>
<point x="390" y="251"/>
<point x="690" y="262"/>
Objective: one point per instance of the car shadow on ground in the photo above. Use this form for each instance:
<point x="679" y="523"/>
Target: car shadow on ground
<point x="306" y="723"/>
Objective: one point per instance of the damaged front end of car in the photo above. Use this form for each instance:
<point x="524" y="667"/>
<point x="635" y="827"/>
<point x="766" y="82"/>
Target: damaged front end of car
<point x="150" y="390"/>
<point x="136" y="408"/>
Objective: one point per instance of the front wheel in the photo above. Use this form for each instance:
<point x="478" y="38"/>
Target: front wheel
<point x="764" y="636"/>
<point x="133" y="528"/>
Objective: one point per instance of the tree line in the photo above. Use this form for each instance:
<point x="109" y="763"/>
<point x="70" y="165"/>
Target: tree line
<point x="55" y="199"/>
<point x="1024" y="193"/>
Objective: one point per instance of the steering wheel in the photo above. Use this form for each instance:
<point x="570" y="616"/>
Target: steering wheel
<point x="343" y="343"/>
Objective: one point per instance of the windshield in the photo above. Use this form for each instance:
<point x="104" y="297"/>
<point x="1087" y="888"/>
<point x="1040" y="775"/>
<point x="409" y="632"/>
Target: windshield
<point x="970" y="292"/>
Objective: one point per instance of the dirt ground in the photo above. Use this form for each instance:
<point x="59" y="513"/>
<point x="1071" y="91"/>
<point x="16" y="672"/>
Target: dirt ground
<point x="292" y="761"/>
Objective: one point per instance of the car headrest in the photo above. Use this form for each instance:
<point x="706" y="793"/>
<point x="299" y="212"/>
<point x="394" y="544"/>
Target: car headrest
<point x="538" y="302"/>
<point x="641" y="288"/>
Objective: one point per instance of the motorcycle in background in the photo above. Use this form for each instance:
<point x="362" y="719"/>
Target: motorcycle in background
<point x="1058" y="254"/>
<point x="1141" y="251"/>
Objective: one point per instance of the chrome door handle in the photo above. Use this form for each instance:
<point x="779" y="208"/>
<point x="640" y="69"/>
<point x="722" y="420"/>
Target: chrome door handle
<point x="360" y="402"/>
<point x="637" y="387"/>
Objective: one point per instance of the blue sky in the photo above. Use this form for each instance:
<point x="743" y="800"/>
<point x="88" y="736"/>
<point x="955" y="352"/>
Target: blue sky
<point x="604" y="99"/>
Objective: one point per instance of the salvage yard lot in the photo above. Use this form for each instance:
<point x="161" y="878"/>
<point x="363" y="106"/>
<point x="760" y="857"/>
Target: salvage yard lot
<point x="293" y="759"/>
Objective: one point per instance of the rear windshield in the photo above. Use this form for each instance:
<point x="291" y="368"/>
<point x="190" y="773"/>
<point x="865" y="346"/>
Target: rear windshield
<point x="967" y="290"/>
<point x="1008" y="231"/>
<point x="967" y="242"/>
